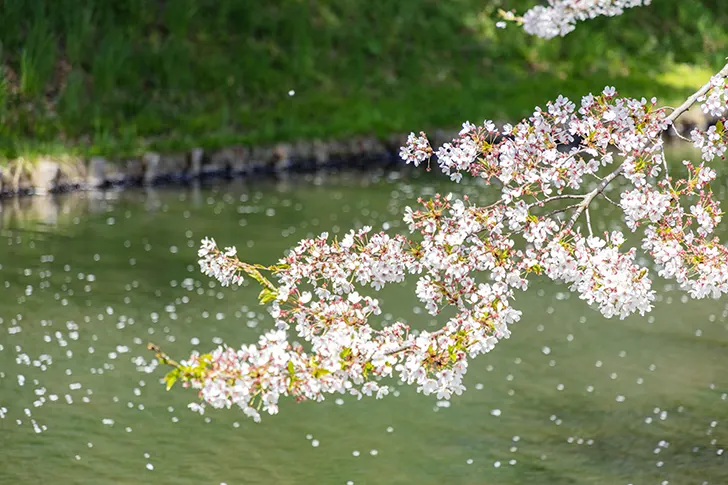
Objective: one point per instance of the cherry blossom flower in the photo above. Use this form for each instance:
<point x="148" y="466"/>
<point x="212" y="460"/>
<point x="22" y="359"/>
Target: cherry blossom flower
<point x="548" y="168"/>
<point x="560" y="16"/>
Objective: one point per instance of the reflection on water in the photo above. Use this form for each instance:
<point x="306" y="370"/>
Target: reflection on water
<point x="88" y="279"/>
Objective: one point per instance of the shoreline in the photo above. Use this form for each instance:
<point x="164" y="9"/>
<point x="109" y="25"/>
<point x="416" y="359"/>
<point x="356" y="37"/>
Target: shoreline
<point x="67" y="174"/>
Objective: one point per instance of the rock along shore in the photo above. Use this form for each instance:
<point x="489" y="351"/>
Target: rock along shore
<point x="50" y="175"/>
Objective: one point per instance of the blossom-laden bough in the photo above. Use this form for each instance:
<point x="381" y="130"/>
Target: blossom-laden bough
<point x="561" y="16"/>
<point x="474" y="258"/>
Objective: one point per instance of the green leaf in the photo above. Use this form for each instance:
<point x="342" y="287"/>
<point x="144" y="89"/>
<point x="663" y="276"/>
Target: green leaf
<point x="368" y="367"/>
<point x="266" y="295"/>
<point x="171" y="378"/>
<point x="292" y="372"/>
<point x="319" y="372"/>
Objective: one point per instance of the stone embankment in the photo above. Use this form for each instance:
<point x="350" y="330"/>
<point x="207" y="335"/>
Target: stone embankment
<point x="47" y="175"/>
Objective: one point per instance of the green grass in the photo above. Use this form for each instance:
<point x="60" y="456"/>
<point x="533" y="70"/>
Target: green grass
<point x="115" y="78"/>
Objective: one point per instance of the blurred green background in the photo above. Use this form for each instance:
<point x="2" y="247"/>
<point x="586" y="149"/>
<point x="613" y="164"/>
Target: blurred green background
<point x="115" y="78"/>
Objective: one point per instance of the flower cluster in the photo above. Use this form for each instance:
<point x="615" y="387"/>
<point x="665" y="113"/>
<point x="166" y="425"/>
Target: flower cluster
<point x="560" y="16"/>
<point x="549" y="167"/>
<point x="555" y="149"/>
<point x="602" y="275"/>
<point x="417" y="150"/>
<point x="317" y="296"/>
<point x="713" y="142"/>
<point x="216" y="263"/>
<point x="714" y="102"/>
<point x="680" y="242"/>
<point x="681" y="239"/>
<point x="643" y="203"/>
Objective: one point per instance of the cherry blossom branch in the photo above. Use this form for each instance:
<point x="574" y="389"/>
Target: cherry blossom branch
<point x="563" y="209"/>
<point x="606" y="197"/>
<point x="676" y="113"/>
<point x="588" y="198"/>
<point x="314" y="291"/>
<point x="693" y="98"/>
<point x="588" y="222"/>
<point x="561" y="16"/>
<point x="678" y="134"/>
<point x="161" y="356"/>
<point x="541" y="203"/>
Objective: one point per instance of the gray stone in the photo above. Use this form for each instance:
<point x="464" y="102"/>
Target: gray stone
<point x="356" y="151"/>
<point x="218" y="162"/>
<point x="151" y="167"/>
<point x="73" y="172"/>
<point x="372" y="146"/>
<point x="45" y="176"/>
<point x="135" y="170"/>
<point x="96" y="176"/>
<point x="258" y="157"/>
<point x="240" y="157"/>
<point x="172" y="165"/>
<point x="303" y="149"/>
<point x="381" y="146"/>
<point x="320" y="152"/>
<point x="282" y="157"/>
<point x="303" y="154"/>
<point x="114" y="172"/>
<point x="196" y="162"/>
<point x="338" y="148"/>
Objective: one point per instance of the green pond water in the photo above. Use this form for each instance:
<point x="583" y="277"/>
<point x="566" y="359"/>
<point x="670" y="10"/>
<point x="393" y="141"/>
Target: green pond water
<point x="87" y="280"/>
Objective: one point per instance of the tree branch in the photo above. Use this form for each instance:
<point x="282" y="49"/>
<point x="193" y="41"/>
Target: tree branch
<point x="609" y="200"/>
<point x="540" y="203"/>
<point x="588" y="222"/>
<point x="563" y="209"/>
<point x="694" y="97"/>
<point x="608" y="179"/>
<point x="590" y="196"/>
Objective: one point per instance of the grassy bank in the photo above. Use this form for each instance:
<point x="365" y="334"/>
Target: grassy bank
<point x="115" y="78"/>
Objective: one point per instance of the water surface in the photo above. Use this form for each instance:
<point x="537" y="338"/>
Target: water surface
<point x="89" y="279"/>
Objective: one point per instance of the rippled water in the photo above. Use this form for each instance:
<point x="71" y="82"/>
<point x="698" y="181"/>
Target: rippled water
<point x="88" y="280"/>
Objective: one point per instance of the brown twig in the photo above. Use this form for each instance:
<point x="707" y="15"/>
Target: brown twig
<point x="161" y="356"/>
